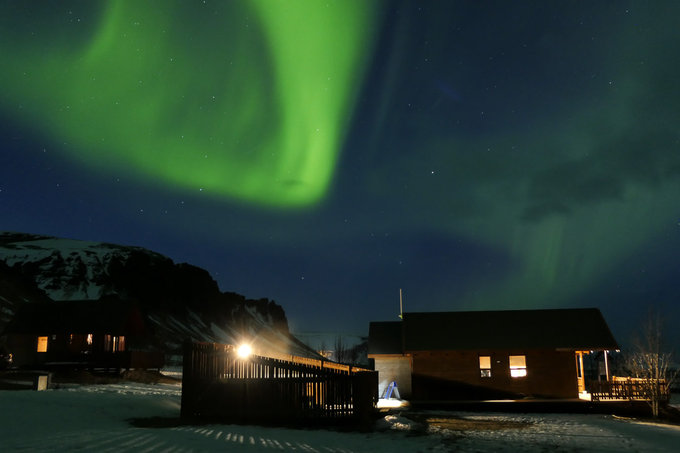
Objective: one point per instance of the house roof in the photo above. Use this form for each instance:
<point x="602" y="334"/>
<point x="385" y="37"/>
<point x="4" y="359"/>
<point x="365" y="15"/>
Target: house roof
<point x="573" y="329"/>
<point x="81" y="317"/>
<point x="384" y="337"/>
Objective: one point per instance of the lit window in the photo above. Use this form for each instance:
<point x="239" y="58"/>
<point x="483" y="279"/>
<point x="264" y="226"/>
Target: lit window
<point x="89" y="338"/>
<point x="117" y="343"/>
<point x="485" y="366"/>
<point x="42" y="344"/>
<point x="518" y="366"/>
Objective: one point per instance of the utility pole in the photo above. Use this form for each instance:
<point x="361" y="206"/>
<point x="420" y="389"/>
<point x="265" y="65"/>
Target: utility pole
<point x="401" y="306"/>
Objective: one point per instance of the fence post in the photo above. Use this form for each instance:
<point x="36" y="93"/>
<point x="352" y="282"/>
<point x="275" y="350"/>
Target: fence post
<point x="188" y="396"/>
<point x="365" y="397"/>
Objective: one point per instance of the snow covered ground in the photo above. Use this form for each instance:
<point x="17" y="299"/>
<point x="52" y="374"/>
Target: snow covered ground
<point x="99" y="418"/>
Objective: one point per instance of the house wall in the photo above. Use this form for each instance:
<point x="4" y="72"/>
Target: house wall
<point x="455" y="375"/>
<point x="395" y="368"/>
<point x="23" y="349"/>
<point x="67" y="348"/>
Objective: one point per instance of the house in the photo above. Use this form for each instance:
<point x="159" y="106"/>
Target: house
<point x="104" y="334"/>
<point x="476" y="355"/>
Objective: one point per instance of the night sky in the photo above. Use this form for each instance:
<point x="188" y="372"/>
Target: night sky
<point x="324" y="154"/>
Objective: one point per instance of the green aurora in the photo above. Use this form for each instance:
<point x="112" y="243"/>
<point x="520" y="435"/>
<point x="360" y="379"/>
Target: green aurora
<point x="491" y="155"/>
<point x="127" y="87"/>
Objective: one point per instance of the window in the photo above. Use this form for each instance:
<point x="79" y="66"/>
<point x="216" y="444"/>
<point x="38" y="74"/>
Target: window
<point x="113" y="343"/>
<point x="121" y="343"/>
<point x="42" y="344"/>
<point x="485" y="366"/>
<point x="518" y="366"/>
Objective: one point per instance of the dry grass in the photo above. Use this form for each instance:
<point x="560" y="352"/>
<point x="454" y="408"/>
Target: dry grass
<point x="464" y="424"/>
<point x="455" y="423"/>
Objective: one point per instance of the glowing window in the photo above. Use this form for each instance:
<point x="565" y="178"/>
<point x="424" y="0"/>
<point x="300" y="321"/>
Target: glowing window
<point x="485" y="366"/>
<point x="89" y="338"/>
<point x="518" y="366"/>
<point x="42" y="344"/>
<point x="117" y="343"/>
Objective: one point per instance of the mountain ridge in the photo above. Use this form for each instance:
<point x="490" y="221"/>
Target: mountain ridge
<point x="182" y="301"/>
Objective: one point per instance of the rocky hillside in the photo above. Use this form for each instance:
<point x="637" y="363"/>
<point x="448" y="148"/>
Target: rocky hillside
<point x="182" y="301"/>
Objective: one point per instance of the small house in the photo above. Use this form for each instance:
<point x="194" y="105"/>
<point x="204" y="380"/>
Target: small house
<point x="478" y="355"/>
<point x="92" y="334"/>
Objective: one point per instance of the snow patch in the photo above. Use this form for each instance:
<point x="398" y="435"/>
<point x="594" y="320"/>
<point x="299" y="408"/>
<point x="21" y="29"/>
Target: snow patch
<point x="98" y="418"/>
<point x="398" y="423"/>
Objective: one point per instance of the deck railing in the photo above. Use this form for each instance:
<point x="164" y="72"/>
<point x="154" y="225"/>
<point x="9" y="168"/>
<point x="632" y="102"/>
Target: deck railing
<point x="98" y="360"/>
<point x="216" y="383"/>
<point x="628" y="388"/>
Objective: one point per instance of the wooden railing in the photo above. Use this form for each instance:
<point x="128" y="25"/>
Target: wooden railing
<point x="216" y="383"/>
<point x="104" y="360"/>
<point x="627" y="388"/>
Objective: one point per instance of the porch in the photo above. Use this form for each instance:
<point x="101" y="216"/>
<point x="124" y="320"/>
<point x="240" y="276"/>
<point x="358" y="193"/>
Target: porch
<point x="629" y="389"/>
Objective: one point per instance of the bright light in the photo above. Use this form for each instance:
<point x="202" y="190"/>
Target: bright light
<point x="391" y="403"/>
<point x="244" y="351"/>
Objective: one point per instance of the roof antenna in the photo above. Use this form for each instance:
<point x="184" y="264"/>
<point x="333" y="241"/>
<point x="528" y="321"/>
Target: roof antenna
<point x="401" y="306"/>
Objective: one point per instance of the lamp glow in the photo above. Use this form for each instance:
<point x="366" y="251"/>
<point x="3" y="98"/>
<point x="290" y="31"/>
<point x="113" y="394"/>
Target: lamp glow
<point x="244" y="351"/>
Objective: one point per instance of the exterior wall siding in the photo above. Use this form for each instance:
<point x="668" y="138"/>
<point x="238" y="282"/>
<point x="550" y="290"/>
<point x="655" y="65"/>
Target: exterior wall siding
<point x="397" y="369"/>
<point x="23" y="348"/>
<point x="455" y="375"/>
<point x="78" y="354"/>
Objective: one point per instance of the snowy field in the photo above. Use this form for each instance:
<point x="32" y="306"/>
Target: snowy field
<point x="99" y="418"/>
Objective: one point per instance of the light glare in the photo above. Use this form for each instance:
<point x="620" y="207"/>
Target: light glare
<point x="244" y="351"/>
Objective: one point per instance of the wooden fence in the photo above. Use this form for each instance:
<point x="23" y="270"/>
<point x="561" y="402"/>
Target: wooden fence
<point x="217" y="384"/>
<point x="627" y="389"/>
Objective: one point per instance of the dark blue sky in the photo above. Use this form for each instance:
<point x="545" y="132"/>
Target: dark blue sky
<point x="495" y="155"/>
